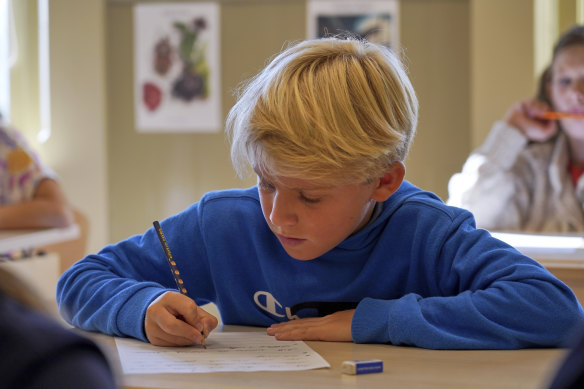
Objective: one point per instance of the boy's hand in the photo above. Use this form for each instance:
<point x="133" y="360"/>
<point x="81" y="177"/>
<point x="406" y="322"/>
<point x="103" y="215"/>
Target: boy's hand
<point x="333" y="328"/>
<point x="175" y="320"/>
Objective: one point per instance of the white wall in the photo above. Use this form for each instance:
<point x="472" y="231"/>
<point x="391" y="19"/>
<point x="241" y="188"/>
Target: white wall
<point x="77" y="147"/>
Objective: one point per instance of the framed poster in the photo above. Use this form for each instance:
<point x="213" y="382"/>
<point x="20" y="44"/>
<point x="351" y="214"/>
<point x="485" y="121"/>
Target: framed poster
<point x="374" y="20"/>
<point x="176" y="67"/>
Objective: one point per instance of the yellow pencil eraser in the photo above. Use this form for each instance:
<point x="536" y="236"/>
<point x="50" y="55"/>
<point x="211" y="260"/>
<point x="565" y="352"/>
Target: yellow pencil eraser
<point x="363" y="366"/>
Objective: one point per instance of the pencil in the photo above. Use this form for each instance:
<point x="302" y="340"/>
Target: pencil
<point x="173" y="268"/>
<point x="551" y="115"/>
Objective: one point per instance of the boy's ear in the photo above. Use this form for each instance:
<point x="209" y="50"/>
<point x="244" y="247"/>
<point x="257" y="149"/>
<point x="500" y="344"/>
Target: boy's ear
<point x="390" y="182"/>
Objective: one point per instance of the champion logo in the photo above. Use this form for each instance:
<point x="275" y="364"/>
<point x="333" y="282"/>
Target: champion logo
<point x="268" y="303"/>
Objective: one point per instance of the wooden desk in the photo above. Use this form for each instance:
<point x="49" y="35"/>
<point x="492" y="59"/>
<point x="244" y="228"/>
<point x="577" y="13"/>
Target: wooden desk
<point x="13" y="240"/>
<point x="404" y="367"/>
<point x="41" y="272"/>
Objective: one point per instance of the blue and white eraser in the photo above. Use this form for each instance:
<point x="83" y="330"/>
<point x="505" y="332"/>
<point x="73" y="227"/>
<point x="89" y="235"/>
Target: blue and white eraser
<point x="362" y="366"/>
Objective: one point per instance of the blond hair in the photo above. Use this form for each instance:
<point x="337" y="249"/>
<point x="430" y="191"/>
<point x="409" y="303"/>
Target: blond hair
<point x="332" y="110"/>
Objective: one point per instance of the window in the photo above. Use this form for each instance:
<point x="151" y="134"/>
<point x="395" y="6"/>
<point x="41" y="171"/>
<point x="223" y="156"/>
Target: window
<point x="7" y="57"/>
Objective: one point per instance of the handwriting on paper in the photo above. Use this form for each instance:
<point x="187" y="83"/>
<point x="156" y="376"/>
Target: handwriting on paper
<point x="226" y="351"/>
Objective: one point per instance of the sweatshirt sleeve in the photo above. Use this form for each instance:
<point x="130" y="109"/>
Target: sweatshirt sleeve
<point x="487" y="296"/>
<point x="488" y="184"/>
<point x="110" y="291"/>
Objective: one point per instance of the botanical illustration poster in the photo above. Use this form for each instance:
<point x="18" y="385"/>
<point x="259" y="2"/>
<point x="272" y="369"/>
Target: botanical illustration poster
<point x="176" y="67"/>
<point x="374" y="20"/>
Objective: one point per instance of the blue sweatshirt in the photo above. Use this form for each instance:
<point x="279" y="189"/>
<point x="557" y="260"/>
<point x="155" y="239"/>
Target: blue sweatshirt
<point x="420" y="274"/>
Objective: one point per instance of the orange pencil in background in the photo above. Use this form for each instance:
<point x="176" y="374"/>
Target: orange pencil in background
<point x="551" y="115"/>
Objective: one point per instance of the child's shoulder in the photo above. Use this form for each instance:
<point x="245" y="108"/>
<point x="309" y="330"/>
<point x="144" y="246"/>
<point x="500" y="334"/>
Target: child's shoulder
<point x="230" y="202"/>
<point x="411" y="199"/>
<point x="410" y="194"/>
<point x="231" y="195"/>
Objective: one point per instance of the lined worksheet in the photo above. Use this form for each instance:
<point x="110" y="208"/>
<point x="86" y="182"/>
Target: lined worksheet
<point x="226" y="351"/>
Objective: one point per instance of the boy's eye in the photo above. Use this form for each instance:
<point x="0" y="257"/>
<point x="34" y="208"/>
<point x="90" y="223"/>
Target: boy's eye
<point x="308" y="199"/>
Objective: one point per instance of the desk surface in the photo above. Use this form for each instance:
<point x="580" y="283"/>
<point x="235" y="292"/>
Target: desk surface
<point x="13" y="240"/>
<point x="404" y="367"/>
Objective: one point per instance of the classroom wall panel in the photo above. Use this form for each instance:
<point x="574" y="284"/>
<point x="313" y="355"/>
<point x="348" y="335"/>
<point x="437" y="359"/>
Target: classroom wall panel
<point x="502" y="60"/>
<point x="435" y="36"/>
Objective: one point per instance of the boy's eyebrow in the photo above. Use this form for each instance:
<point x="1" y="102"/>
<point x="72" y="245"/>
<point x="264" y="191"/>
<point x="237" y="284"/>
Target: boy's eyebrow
<point x="299" y="189"/>
<point x="314" y="188"/>
<point x="307" y="188"/>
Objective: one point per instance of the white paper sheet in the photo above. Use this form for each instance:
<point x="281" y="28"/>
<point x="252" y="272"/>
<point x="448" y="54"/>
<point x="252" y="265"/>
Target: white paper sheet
<point x="226" y="351"/>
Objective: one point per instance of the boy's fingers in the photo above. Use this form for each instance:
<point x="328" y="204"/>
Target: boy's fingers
<point x="185" y="308"/>
<point x="192" y="314"/>
<point x="178" y="333"/>
<point x="209" y="321"/>
<point x="334" y="327"/>
<point x="167" y="340"/>
<point x="175" y="319"/>
<point x="177" y="327"/>
<point x="200" y="319"/>
<point x="169" y="329"/>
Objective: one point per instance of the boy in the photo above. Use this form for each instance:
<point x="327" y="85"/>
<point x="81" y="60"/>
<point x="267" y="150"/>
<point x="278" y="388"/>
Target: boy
<point x="332" y="244"/>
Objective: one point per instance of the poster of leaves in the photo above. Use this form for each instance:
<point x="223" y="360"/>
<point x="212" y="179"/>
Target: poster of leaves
<point x="374" y="20"/>
<point x="176" y="67"/>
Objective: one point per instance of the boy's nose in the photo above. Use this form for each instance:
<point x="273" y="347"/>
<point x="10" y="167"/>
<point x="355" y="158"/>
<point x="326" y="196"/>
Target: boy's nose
<point x="282" y="213"/>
